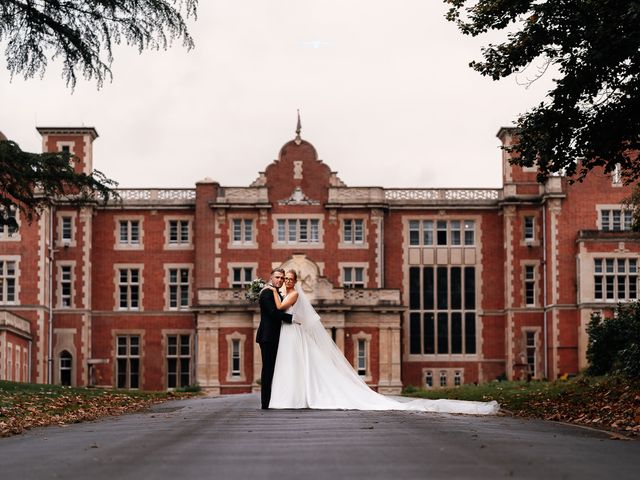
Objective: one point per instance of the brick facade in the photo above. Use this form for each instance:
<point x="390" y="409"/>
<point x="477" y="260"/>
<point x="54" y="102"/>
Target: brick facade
<point x="428" y="287"/>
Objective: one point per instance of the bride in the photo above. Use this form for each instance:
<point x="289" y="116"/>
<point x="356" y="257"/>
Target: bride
<point x="312" y="372"/>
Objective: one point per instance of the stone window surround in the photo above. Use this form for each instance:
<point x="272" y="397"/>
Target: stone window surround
<point x="59" y="265"/>
<point x="74" y="222"/>
<point x="165" y="333"/>
<point x="365" y="271"/>
<point x="167" y="228"/>
<point x="242" y="339"/>
<point x="232" y="265"/>
<point x="116" y="281"/>
<point x="297" y="216"/>
<point x="253" y="244"/>
<point x="16" y="259"/>
<point x="586" y="273"/>
<point x="536" y="282"/>
<point x="353" y="244"/>
<point x="535" y="241"/>
<point x="538" y="349"/>
<point x="614" y="206"/>
<point x="447" y="218"/>
<point x="167" y="293"/>
<point x="115" y="333"/>
<point x="126" y="246"/>
<point x="436" y="373"/>
<point x="367" y="342"/>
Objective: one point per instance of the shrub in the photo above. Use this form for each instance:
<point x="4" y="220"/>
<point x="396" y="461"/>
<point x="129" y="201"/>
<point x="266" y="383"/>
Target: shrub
<point x="614" y="343"/>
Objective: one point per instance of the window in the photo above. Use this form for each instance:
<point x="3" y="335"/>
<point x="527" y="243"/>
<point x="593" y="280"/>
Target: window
<point x="9" y="227"/>
<point x="353" y="231"/>
<point x="178" y="360"/>
<point x="529" y="229"/>
<point x="178" y="288"/>
<point x="235" y="358"/>
<point x="443" y="378"/>
<point x="66" y="283"/>
<point x="442" y="304"/>
<point x="7" y="281"/>
<point x="615" y="220"/>
<point x="298" y="230"/>
<point x="179" y="232"/>
<point x="615" y="279"/>
<point x="66" y="362"/>
<point x="530" y="352"/>
<point x="129" y="232"/>
<point x="529" y="285"/>
<point x="241" y="276"/>
<point x="428" y="379"/>
<point x="242" y="231"/>
<point x="353" y="277"/>
<point x="457" y="378"/>
<point x="129" y="288"/>
<point x="10" y="376"/>
<point x="616" y="175"/>
<point x="441" y="232"/>
<point x="67" y="229"/>
<point x="128" y="361"/>
<point x="362" y="357"/>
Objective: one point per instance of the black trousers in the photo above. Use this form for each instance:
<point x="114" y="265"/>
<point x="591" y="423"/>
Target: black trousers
<point x="269" y="351"/>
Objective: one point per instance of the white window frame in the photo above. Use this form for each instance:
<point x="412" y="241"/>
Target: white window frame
<point x="353" y="267"/>
<point x="240" y="225"/>
<point x="236" y="375"/>
<point x="631" y="268"/>
<point x="232" y="267"/>
<point x="458" y="232"/>
<point x="530" y="279"/>
<point x="293" y="219"/>
<point x="359" y="337"/>
<point x="183" y="224"/>
<point x="61" y="241"/>
<point x="117" y="268"/>
<point x="129" y="243"/>
<point x="62" y="265"/>
<point x="349" y="226"/>
<point x="15" y="259"/>
<point x="128" y="356"/>
<point x="179" y="267"/>
<point x="178" y="356"/>
<point x="606" y="215"/>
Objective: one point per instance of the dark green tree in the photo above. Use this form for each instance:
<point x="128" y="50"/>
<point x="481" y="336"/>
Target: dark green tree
<point x="29" y="182"/>
<point x="591" y="117"/>
<point x="81" y="33"/>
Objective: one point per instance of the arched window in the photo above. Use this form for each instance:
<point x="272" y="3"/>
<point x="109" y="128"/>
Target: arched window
<point x="66" y="361"/>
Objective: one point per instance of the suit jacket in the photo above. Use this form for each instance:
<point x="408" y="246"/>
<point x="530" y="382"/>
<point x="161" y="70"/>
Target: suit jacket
<point x="270" y="318"/>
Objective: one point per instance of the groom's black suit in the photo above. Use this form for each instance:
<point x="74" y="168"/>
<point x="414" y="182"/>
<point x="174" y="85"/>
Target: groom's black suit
<point x="268" y="336"/>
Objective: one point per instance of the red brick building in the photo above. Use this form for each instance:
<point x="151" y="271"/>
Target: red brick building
<point x="427" y="287"/>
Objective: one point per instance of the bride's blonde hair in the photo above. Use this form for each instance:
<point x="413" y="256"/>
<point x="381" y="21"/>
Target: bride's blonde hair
<point x="295" y="274"/>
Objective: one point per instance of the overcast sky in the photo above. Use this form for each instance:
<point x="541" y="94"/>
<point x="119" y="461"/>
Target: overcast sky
<point x="384" y="89"/>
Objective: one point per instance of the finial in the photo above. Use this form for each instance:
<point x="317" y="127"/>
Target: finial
<point x="298" y="129"/>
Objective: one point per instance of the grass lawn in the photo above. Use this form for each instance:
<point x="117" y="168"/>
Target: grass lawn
<point x="25" y="405"/>
<point x="605" y="402"/>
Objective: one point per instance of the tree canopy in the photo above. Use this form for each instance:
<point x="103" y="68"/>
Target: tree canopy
<point x="30" y="181"/>
<point x="82" y="32"/>
<point x="591" y="118"/>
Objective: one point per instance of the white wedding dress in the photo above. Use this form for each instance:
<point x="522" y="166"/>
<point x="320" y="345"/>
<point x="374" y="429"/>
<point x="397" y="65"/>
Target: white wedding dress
<point x="312" y="372"/>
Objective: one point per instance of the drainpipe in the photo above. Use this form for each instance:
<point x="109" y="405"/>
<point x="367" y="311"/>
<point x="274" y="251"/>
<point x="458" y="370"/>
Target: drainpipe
<point x="50" y="322"/>
<point x="544" y="286"/>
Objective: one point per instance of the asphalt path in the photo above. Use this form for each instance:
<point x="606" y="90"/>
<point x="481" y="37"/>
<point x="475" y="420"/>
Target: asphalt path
<point x="229" y="437"/>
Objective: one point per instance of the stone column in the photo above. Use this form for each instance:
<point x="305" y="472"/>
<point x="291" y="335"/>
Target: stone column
<point x="390" y="381"/>
<point x="208" y="365"/>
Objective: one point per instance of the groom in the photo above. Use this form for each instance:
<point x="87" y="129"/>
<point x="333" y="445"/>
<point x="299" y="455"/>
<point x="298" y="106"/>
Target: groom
<point x="268" y="334"/>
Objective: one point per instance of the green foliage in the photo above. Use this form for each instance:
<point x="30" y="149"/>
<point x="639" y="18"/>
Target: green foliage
<point x="614" y="343"/>
<point x="29" y="182"/>
<point x="592" y="116"/>
<point x="82" y="32"/>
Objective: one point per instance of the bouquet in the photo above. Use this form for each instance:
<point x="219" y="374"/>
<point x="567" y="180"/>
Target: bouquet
<point x="253" y="290"/>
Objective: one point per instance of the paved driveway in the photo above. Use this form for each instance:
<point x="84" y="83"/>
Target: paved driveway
<point x="230" y="437"/>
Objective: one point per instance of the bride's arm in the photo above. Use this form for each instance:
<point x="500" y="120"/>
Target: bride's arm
<point x="290" y="300"/>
